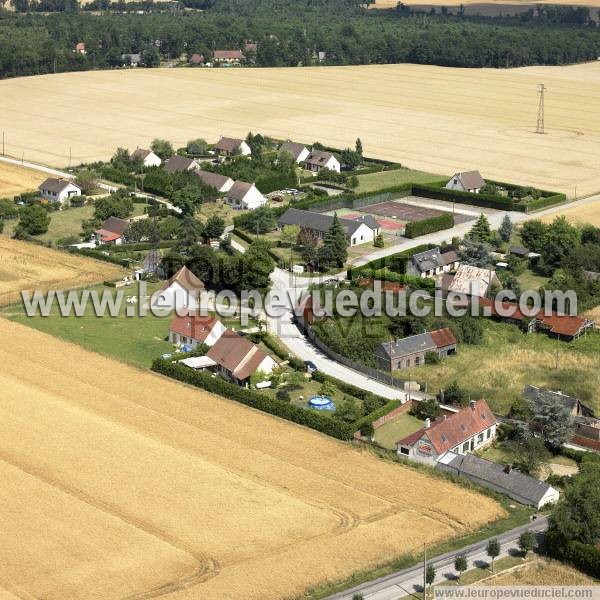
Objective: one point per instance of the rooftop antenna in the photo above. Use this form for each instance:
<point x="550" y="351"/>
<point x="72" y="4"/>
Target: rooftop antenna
<point x="540" y="116"/>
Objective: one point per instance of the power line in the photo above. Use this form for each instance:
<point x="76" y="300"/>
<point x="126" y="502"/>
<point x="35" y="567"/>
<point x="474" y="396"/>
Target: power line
<point x="540" y="116"/>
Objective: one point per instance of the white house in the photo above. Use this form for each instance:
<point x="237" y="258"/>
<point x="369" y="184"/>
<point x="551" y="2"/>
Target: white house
<point x="180" y="293"/>
<point x="432" y="262"/>
<point x="148" y="158"/>
<point x="231" y="147"/>
<point x="221" y="183"/>
<point x="469" y="429"/>
<point x="298" y="151"/>
<point x="244" y="196"/>
<point x="58" y="190"/>
<point x="318" y="160"/>
<point x="467" y="181"/>
<point x="112" y="231"/>
<point x="191" y="330"/>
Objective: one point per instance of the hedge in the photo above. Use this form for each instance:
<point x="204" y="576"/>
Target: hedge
<point x="139" y="246"/>
<point x="274" y="346"/>
<point x="385" y="275"/>
<point x="371" y="417"/>
<point x="392" y="262"/>
<point x="276" y="182"/>
<point x="315" y="420"/>
<point x="585" y="557"/>
<point x="482" y="199"/>
<point x="100" y="256"/>
<point x="543" y="202"/>
<point x="418" y="228"/>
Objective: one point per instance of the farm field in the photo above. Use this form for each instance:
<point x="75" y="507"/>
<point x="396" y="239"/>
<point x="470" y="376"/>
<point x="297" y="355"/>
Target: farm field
<point x="452" y="119"/>
<point x="28" y="266"/>
<point x="484" y="6"/>
<point x="542" y="572"/>
<point x="383" y="179"/>
<point x="582" y="214"/>
<point x="15" y="180"/>
<point x="177" y="491"/>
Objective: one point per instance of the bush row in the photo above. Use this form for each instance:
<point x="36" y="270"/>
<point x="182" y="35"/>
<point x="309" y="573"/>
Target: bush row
<point x="139" y="246"/>
<point x="386" y="275"/>
<point x="585" y="557"/>
<point x="419" y="228"/>
<point x="373" y="416"/>
<point x="315" y="420"/>
<point x="395" y="262"/>
<point x="122" y="262"/>
<point x="543" y="202"/>
<point x="276" y="182"/>
<point x="486" y="200"/>
<point x="273" y="344"/>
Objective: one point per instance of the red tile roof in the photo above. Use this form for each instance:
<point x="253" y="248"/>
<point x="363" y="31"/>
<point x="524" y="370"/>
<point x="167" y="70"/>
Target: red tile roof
<point x="194" y="326"/>
<point x="228" y="55"/>
<point x="563" y="325"/>
<point x="446" y="433"/>
<point x="443" y="337"/>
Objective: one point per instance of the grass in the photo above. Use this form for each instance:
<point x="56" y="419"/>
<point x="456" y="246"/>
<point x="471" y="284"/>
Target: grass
<point x="542" y="571"/>
<point x="383" y="179"/>
<point x="528" y="280"/>
<point x="389" y="433"/>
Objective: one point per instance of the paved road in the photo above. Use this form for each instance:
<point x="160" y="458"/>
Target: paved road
<point x="410" y="581"/>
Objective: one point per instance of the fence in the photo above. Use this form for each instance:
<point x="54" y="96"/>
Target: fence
<point x="402" y="409"/>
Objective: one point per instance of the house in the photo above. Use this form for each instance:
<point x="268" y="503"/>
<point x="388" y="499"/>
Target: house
<point x="147" y="157"/>
<point x="179" y="164"/>
<point x="228" y="57"/>
<point x="358" y="231"/>
<point x="298" y="151"/>
<point x="466" y="181"/>
<point x="432" y="262"/>
<point x="319" y="159"/>
<point x="473" y="281"/>
<point x="500" y="478"/>
<point x="411" y="351"/>
<point x="575" y="407"/>
<point x="471" y="428"/>
<point x="196" y="60"/>
<point x="232" y="147"/>
<point x="79" y="48"/>
<point x="244" y="196"/>
<point x="237" y="358"/>
<point x="131" y="60"/>
<point x="221" y="183"/>
<point x="58" y="190"/>
<point x="191" y="330"/>
<point x="181" y="292"/>
<point x="112" y="231"/>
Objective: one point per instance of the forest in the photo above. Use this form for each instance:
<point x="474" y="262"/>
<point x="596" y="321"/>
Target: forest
<point x="288" y="33"/>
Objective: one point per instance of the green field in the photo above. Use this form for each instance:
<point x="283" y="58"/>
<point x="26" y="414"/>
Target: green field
<point x="389" y="433"/>
<point x="385" y="179"/>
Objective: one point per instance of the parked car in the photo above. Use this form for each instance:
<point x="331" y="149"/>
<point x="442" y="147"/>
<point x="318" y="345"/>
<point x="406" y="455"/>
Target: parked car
<point x="310" y="366"/>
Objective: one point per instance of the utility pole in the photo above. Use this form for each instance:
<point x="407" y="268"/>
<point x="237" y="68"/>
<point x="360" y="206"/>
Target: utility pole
<point x="69" y="157"/>
<point x="540" y="117"/>
<point x="3" y="154"/>
<point x="424" y="572"/>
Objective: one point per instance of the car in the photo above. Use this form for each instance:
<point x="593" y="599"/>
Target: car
<point x="310" y="366"/>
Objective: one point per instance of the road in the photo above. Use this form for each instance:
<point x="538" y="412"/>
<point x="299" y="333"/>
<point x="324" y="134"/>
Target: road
<point x="410" y="581"/>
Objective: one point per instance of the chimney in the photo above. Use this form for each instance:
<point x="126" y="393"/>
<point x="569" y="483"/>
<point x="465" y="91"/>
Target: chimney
<point x="472" y="403"/>
<point x="427" y="423"/>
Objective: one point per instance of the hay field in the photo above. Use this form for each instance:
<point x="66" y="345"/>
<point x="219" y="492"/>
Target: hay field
<point x="541" y="572"/>
<point x="120" y="483"/>
<point x="15" y="179"/>
<point x="25" y="266"/>
<point x="436" y="119"/>
<point x="584" y="213"/>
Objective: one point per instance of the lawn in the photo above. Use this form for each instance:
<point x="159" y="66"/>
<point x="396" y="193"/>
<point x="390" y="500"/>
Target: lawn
<point x="507" y="360"/>
<point x="528" y="280"/>
<point x="388" y="434"/>
<point x="385" y="179"/>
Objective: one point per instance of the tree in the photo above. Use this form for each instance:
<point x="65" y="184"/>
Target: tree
<point x="87" y="181"/>
<point x="187" y="199"/>
<point x="493" y="550"/>
<point x="379" y="242"/>
<point x="454" y="394"/>
<point x="117" y="204"/>
<point x="33" y="220"/>
<point x="526" y="542"/>
<point x="506" y="229"/>
<point x="481" y="230"/>
<point x="359" y="147"/>
<point x="348" y="409"/>
<point x="460" y="564"/>
<point x="427" y="409"/>
<point x="214" y="227"/>
<point x="197" y="147"/>
<point x="551" y="419"/>
<point x="192" y="231"/>
<point x="335" y="246"/>
<point x="533" y="234"/>
<point x="529" y="453"/>
<point x="162" y="148"/>
<point x="475" y="253"/>
<point x="350" y="158"/>
<point x="429" y="575"/>
<point x="260" y="220"/>
<point x="169" y="228"/>
<point x="121" y="159"/>
<point x="143" y="230"/>
<point x="560" y="238"/>
<point x="257" y="265"/>
<point x="289" y="235"/>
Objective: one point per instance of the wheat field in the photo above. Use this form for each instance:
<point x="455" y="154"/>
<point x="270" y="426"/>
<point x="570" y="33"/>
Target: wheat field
<point x="437" y="119"/>
<point x="15" y="180"/>
<point x="25" y="266"/>
<point x="584" y="213"/>
<point x="119" y="483"/>
<point x="540" y="572"/>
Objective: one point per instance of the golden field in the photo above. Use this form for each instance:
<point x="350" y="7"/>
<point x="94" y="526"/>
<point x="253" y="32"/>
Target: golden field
<point x="120" y="483"/>
<point x="437" y="119"/>
<point x="583" y="213"/>
<point x="15" y="179"/>
<point x="383" y="4"/>
<point x="25" y="266"/>
<point x="541" y="572"/>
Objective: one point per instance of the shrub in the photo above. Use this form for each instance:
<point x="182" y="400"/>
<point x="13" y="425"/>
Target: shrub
<point x="283" y="395"/>
<point x="418" y="228"/>
<point x="297" y="364"/>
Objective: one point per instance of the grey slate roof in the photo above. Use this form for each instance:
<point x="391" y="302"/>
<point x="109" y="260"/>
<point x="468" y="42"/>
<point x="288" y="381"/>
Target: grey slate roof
<point x="228" y="144"/>
<point x="52" y="184"/>
<point x="322" y="223"/>
<point x="528" y="488"/>
<point x="215" y="180"/>
<point x="470" y="180"/>
<point x="518" y="250"/>
<point x="293" y="148"/>
<point x="318" y="157"/>
<point x="115" y="225"/>
<point x="422" y="342"/>
<point x="427" y="260"/>
<point x="531" y="392"/>
<point x="239" y="190"/>
<point x="178" y="163"/>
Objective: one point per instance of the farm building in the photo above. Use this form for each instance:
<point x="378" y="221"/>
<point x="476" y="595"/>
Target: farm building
<point x="244" y="196"/>
<point x="472" y="281"/>
<point x="191" y="330"/>
<point x="500" y="478"/>
<point x="178" y="164"/>
<point x="432" y="262"/>
<point x="147" y="157"/>
<point x="575" y="407"/>
<point x="221" y="183"/>
<point x="232" y="147"/>
<point x="180" y="292"/>
<point x="469" y="429"/>
<point x="466" y="181"/>
<point x="112" y="231"/>
<point x="237" y="358"/>
<point x="228" y="57"/>
<point x="298" y="151"/>
<point x="411" y="351"/>
<point x="58" y="190"/>
<point x="358" y="231"/>
<point x="319" y="159"/>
